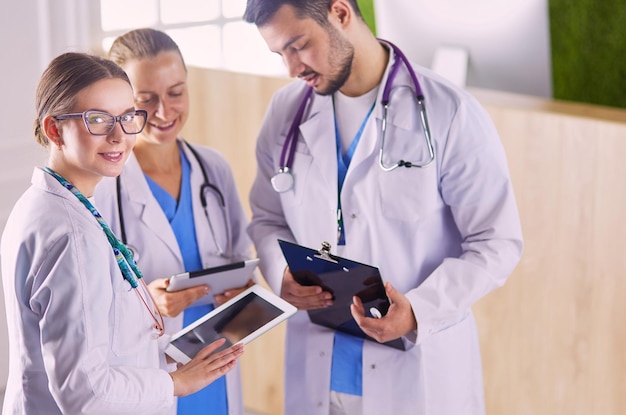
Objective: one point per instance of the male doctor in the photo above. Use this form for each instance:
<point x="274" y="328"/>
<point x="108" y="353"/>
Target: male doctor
<point x="443" y="235"/>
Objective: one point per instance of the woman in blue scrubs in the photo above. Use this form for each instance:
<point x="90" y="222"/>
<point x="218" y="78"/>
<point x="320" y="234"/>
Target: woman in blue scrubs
<point x="175" y="204"/>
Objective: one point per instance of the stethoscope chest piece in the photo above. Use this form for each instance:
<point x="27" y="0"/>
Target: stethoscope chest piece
<point x="283" y="180"/>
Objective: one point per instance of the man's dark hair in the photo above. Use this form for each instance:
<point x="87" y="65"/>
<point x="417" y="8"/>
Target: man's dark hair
<point x="260" y="12"/>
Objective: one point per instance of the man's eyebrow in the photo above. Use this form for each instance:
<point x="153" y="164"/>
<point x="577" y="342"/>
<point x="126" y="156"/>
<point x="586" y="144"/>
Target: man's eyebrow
<point x="290" y="42"/>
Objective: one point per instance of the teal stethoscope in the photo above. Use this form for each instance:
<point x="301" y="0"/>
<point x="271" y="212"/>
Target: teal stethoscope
<point x="124" y="257"/>
<point x="206" y="186"/>
<point x="283" y="180"/>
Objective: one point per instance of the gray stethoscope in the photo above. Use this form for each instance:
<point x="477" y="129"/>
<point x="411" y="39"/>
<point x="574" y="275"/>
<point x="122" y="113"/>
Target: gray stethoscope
<point x="206" y="185"/>
<point x="283" y="180"/>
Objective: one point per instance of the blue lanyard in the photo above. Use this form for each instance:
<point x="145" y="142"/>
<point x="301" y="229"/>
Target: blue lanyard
<point x="122" y="254"/>
<point x="343" y="162"/>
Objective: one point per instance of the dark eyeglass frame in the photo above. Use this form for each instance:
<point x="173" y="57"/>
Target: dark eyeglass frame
<point x="116" y="118"/>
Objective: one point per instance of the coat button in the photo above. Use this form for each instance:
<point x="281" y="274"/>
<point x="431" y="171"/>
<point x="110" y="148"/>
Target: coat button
<point x="373" y="366"/>
<point x="322" y="354"/>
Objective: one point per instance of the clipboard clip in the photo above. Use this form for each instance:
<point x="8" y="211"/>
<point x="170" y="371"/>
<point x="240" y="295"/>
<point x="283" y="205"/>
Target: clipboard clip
<point x="324" y="253"/>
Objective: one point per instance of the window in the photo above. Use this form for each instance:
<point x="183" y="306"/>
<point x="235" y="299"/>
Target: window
<point x="210" y="33"/>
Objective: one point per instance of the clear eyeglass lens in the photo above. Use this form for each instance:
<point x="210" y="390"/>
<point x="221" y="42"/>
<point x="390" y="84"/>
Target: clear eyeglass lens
<point x="132" y="122"/>
<point x="104" y="123"/>
<point x="100" y="122"/>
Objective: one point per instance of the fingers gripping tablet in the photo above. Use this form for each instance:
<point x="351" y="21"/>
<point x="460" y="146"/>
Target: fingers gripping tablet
<point x="220" y="278"/>
<point x="240" y="320"/>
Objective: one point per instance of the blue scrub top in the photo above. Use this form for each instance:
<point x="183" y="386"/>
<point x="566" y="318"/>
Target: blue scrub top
<point x="213" y="398"/>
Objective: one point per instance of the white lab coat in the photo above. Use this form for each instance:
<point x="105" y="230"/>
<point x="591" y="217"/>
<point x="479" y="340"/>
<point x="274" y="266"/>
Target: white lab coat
<point x="445" y="235"/>
<point x="150" y="234"/>
<point x="80" y="340"/>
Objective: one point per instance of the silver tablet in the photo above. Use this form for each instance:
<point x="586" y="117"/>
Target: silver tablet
<point x="240" y="320"/>
<point x="220" y="278"/>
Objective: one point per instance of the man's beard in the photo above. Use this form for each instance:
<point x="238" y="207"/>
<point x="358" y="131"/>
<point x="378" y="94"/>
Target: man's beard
<point x="343" y="54"/>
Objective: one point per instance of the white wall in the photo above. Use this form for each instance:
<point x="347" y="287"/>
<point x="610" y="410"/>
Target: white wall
<point x="18" y="77"/>
<point x="507" y="42"/>
<point x="31" y="33"/>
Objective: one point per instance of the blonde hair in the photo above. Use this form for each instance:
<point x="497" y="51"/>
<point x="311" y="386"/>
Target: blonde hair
<point x="140" y="44"/>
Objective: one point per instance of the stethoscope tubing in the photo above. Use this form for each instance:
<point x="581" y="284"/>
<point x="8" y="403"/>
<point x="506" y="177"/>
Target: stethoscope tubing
<point x="289" y="147"/>
<point x="419" y="95"/>
<point x="208" y="185"/>
<point x="394" y="71"/>
<point x="292" y="134"/>
<point x="203" y="201"/>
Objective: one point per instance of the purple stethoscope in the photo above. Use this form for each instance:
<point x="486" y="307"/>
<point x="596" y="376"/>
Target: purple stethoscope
<point x="283" y="180"/>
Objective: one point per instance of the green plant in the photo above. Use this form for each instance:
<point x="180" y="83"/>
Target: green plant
<point x="588" y="39"/>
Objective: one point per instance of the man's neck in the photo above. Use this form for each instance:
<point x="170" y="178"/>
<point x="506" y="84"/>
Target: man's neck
<point x="368" y="67"/>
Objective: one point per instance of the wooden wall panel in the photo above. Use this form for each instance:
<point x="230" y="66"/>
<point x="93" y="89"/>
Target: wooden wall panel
<point x="554" y="337"/>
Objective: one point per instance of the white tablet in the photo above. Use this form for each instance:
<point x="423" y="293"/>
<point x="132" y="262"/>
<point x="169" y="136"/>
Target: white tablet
<point x="241" y="319"/>
<point x="220" y="278"/>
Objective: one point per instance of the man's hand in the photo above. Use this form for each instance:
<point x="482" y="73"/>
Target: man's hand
<point x="304" y="297"/>
<point x="398" y="321"/>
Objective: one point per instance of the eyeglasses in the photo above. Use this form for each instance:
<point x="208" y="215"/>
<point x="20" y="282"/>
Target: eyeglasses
<point x="103" y="123"/>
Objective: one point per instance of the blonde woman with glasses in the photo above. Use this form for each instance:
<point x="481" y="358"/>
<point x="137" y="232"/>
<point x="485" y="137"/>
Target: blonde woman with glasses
<point x="175" y="203"/>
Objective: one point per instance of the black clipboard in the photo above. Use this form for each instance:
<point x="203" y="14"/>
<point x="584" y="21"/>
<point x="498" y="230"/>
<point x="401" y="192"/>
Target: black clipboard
<point x="344" y="279"/>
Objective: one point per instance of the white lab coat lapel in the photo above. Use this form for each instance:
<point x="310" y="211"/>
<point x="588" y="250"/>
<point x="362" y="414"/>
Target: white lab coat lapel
<point x="151" y="214"/>
<point x="318" y="132"/>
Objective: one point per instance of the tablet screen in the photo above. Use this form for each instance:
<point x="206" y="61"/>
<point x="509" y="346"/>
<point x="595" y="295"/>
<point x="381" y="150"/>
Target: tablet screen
<point x="233" y="323"/>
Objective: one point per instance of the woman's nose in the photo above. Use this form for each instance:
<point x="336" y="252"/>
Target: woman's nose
<point x="163" y="109"/>
<point x="117" y="134"/>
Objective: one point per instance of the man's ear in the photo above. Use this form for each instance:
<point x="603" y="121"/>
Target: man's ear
<point x="52" y="130"/>
<point x="341" y="11"/>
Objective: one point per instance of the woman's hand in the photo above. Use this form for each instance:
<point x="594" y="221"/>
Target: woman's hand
<point x="205" y="368"/>
<point x="173" y="303"/>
